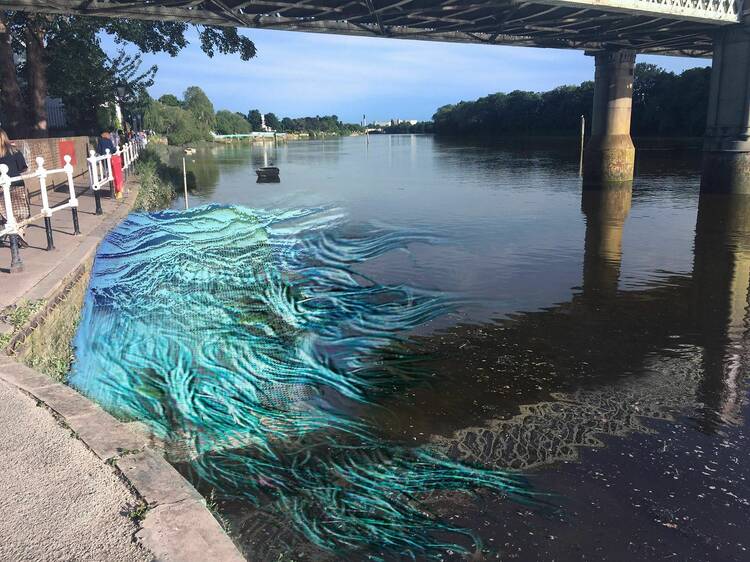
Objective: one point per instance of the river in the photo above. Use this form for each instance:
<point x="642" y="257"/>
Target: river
<point x="592" y="342"/>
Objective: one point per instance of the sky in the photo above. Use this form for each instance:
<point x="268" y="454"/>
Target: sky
<point x="298" y="74"/>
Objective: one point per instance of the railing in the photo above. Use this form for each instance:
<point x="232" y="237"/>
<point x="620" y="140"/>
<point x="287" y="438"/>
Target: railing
<point x="13" y="228"/>
<point x="100" y="174"/>
<point x="100" y="169"/>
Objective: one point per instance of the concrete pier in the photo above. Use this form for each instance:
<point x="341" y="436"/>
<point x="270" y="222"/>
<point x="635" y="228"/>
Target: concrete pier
<point x="726" y="157"/>
<point x="610" y="155"/>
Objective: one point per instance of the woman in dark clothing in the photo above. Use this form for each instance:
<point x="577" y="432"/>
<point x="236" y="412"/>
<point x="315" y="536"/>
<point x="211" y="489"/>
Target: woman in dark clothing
<point x="16" y="166"/>
<point x="105" y="142"/>
<point x="19" y="196"/>
<point x="11" y="157"/>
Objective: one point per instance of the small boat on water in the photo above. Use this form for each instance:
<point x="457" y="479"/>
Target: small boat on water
<point x="189" y="151"/>
<point x="268" y="174"/>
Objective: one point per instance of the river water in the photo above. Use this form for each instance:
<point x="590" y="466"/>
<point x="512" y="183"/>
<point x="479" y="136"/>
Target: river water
<point x="592" y="342"/>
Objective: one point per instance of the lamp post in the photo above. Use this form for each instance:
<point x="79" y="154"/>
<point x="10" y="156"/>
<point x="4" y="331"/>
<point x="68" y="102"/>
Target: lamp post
<point x="120" y="91"/>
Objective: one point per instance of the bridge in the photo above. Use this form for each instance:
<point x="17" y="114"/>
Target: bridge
<point x="612" y="31"/>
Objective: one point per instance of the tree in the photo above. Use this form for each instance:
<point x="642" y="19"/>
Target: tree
<point x="287" y="125"/>
<point x="87" y="79"/>
<point x="196" y="102"/>
<point x="170" y="99"/>
<point x="36" y="74"/>
<point x="328" y="124"/>
<point x="33" y="33"/>
<point x="178" y="125"/>
<point x="663" y="104"/>
<point x="14" y="117"/>
<point x="255" y="119"/>
<point x="272" y="121"/>
<point x="231" y="123"/>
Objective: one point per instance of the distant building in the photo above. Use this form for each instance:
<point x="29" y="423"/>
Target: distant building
<point x="263" y="127"/>
<point x="395" y="121"/>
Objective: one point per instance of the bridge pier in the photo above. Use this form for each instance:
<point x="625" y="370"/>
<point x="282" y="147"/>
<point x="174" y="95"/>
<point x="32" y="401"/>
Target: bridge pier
<point x="726" y="156"/>
<point x="609" y="157"/>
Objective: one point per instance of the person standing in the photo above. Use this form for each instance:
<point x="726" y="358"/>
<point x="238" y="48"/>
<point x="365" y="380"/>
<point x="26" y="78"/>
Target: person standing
<point x="105" y="143"/>
<point x="19" y="195"/>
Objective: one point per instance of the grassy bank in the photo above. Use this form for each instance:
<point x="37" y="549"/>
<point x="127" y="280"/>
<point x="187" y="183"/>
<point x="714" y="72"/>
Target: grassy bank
<point x="49" y="348"/>
<point x="42" y="331"/>
<point x="158" y="182"/>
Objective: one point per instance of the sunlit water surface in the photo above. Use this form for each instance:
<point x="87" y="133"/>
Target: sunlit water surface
<point x="398" y="328"/>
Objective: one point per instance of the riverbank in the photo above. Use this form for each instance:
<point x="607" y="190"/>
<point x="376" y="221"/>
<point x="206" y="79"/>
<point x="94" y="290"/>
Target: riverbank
<point x="79" y="484"/>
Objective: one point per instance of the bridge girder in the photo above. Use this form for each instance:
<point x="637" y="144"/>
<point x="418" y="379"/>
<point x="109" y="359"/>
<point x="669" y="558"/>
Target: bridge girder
<point x="672" y="27"/>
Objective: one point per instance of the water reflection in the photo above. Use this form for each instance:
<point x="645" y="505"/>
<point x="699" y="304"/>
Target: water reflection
<point x="599" y="322"/>
<point x="606" y="211"/>
<point x="721" y="279"/>
<point x="542" y="383"/>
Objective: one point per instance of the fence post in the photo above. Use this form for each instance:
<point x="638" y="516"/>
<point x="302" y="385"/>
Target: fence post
<point x="94" y="180"/>
<point x="124" y="161"/>
<point x="72" y="189"/>
<point x="16" y="265"/>
<point x="46" y="211"/>
<point x="110" y="176"/>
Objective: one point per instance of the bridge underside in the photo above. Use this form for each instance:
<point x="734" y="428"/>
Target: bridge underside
<point x="669" y="27"/>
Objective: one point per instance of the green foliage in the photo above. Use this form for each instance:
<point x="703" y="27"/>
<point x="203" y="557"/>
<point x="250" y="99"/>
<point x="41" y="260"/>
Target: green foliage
<point x="668" y="104"/>
<point x="663" y="104"/>
<point x="16" y="316"/>
<point x="231" y="123"/>
<point x="325" y="124"/>
<point x="178" y="125"/>
<point x="138" y="512"/>
<point x="49" y="348"/>
<point x="170" y="37"/>
<point x="419" y="127"/>
<point x="80" y="72"/>
<point x="272" y="121"/>
<point x="557" y="111"/>
<point x="196" y="102"/>
<point x="170" y="99"/>
<point x="158" y="182"/>
<point x="87" y="78"/>
<point x="255" y="119"/>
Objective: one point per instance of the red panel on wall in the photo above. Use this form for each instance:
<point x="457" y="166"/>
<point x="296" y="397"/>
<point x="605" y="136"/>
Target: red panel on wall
<point x="67" y="147"/>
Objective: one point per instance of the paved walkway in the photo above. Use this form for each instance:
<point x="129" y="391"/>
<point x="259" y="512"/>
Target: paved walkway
<point x="38" y="262"/>
<point x="59" y="501"/>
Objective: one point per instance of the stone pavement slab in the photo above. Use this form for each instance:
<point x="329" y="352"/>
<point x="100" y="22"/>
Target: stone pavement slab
<point x="58" y="500"/>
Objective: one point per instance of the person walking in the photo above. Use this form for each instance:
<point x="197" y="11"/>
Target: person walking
<point x="19" y="195"/>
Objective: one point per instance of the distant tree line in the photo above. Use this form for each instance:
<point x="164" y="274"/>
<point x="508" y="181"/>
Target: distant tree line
<point x="405" y="128"/>
<point x="664" y="104"/>
<point x="192" y="119"/>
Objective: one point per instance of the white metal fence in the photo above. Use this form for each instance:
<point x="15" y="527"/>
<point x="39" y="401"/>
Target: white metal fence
<point x="100" y="175"/>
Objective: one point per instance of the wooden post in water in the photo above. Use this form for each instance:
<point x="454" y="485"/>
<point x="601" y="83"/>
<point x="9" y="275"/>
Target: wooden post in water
<point x="580" y="161"/>
<point x="184" y="182"/>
